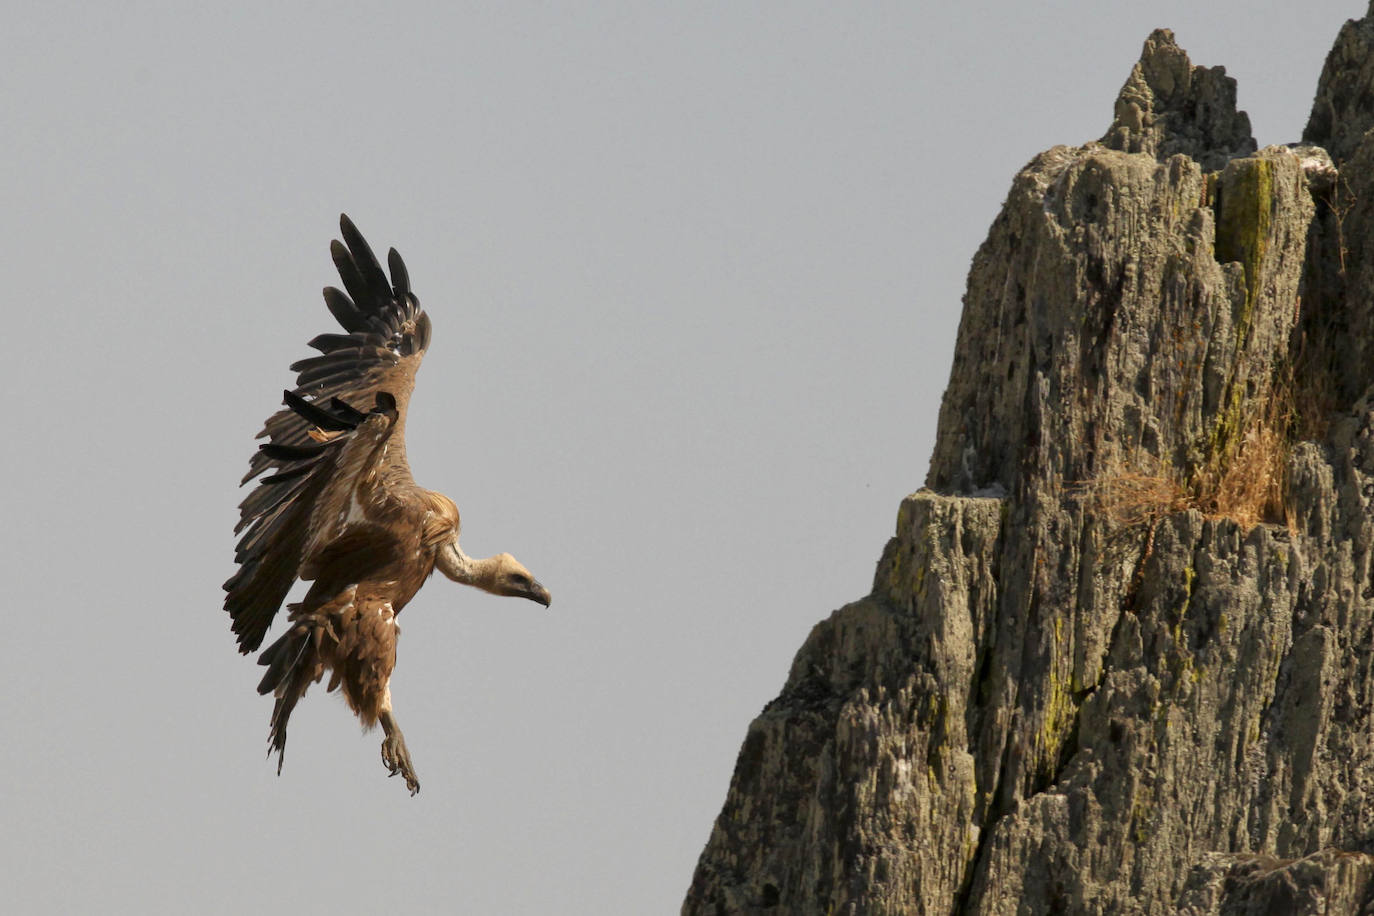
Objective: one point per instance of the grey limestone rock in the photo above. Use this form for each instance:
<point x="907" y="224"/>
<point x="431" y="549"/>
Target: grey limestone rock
<point x="1343" y="110"/>
<point x="1169" y="106"/>
<point x="1329" y="881"/>
<point x="1096" y="672"/>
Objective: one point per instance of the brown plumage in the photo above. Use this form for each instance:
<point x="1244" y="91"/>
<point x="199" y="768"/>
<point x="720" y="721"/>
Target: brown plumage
<point x="341" y="511"/>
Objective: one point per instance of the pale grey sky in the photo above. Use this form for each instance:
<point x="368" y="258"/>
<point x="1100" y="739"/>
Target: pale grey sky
<point x="695" y="274"/>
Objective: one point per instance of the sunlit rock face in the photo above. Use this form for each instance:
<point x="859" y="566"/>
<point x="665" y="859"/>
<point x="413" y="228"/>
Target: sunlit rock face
<point x="1117" y="656"/>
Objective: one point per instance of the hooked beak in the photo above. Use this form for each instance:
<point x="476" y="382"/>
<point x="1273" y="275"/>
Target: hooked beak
<point x="540" y="594"/>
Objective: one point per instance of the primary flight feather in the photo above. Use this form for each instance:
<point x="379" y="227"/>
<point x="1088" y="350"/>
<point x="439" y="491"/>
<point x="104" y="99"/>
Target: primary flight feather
<point x="341" y="511"/>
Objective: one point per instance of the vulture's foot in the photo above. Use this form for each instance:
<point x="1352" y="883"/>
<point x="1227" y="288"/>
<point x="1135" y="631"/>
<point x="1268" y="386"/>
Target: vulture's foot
<point x="395" y="757"/>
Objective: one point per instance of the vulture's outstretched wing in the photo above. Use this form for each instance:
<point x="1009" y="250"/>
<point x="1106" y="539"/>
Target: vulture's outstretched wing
<point x="386" y="336"/>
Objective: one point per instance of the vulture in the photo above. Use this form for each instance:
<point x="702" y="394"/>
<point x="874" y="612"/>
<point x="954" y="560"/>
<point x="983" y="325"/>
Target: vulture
<point x="338" y="508"/>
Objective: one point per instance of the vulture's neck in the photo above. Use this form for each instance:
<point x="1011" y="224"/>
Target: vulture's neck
<point x="480" y="572"/>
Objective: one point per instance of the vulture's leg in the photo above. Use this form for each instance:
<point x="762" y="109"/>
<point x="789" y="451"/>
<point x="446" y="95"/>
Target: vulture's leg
<point x="394" y="754"/>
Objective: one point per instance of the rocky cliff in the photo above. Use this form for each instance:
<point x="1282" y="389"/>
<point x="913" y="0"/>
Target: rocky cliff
<point x="1117" y="656"/>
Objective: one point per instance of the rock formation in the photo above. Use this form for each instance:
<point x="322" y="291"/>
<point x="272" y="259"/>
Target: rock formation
<point x="1117" y="657"/>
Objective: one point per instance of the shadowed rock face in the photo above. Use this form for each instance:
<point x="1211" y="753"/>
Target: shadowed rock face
<point x="1048" y="704"/>
<point x="1343" y="109"/>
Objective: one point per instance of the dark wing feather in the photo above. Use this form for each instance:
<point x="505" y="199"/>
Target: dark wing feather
<point x="344" y="311"/>
<point x="400" y="277"/>
<point x="372" y="364"/>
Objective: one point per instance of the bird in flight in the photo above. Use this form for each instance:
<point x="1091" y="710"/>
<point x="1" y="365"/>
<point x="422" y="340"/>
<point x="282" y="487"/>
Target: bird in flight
<point x="340" y="510"/>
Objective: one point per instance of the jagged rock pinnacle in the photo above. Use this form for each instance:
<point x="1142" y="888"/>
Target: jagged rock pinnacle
<point x="1169" y="106"/>
<point x="1343" y="108"/>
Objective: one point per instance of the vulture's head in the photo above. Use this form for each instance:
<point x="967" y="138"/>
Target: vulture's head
<point x="515" y="581"/>
<point x="500" y="575"/>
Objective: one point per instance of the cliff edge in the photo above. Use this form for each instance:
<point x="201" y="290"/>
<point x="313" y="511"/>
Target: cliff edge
<point x="1117" y="656"/>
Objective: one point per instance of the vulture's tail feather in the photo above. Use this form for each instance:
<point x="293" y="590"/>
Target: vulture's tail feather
<point x="291" y="668"/>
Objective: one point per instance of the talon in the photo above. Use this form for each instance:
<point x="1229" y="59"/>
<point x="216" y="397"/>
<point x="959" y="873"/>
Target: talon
<point x="396" y="758"/>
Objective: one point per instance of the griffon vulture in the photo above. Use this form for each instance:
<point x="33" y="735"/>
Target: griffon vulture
<point x="341" y="511"/>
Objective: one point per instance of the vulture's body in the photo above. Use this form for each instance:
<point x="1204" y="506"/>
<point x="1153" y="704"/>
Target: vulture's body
<point x="341" y="510"/>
